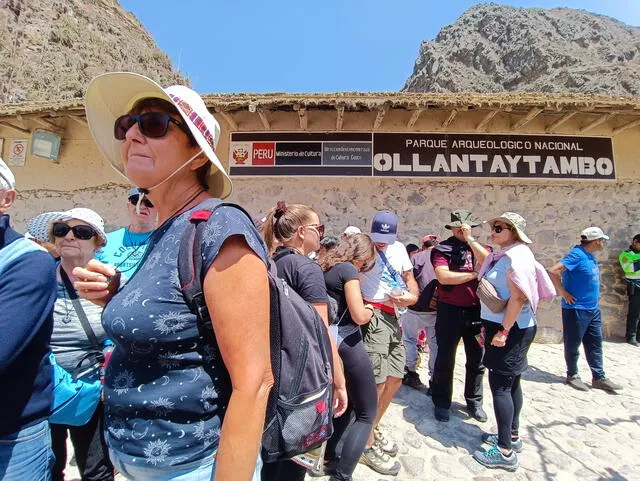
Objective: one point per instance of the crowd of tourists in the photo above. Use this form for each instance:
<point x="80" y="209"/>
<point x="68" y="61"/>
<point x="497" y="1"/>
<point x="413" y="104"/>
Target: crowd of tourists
<point x="183" y="391"/>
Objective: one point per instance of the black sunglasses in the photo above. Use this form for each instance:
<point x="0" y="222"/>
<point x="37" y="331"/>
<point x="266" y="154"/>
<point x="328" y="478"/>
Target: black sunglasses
<point x="152" y="124"/>
<point x="82" y="232"/>
<point x="146" y="202"/>
<point x="498" y="228"/>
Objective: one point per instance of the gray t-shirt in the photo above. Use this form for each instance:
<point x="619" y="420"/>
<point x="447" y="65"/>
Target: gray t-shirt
<point x="69" y="341"/>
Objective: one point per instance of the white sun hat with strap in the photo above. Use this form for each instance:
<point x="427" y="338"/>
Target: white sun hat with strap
<point x="114" y="94"/>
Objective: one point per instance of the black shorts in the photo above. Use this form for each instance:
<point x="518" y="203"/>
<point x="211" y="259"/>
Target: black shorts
<point x="510" y="360"/>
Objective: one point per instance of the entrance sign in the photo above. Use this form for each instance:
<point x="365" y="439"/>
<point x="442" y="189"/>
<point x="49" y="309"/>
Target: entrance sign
<point x="421" y="155"/>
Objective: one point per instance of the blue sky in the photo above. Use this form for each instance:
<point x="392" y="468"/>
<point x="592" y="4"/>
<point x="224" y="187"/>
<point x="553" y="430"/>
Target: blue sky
<point x="308" y="46"/>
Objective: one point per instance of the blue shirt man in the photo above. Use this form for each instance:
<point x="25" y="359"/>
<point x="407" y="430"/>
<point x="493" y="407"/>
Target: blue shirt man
<point x="127" y="246"/>
<point x="577" y="280"/>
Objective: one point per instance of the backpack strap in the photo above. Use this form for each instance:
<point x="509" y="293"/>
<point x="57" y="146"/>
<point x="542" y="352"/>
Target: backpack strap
<point x="190" y="261"/>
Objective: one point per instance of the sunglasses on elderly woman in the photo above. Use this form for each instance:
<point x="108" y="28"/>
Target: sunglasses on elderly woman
<point x="82" y="232"/>
<point x="146" y="202"/>
<point x="151" y="124"/>
<point x="498" y="228"/>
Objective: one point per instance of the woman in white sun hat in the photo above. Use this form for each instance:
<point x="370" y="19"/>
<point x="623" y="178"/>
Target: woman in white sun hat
<point x="76" y="235"/>
<point x="508" y="315"/>
<point x="181" y="402"/>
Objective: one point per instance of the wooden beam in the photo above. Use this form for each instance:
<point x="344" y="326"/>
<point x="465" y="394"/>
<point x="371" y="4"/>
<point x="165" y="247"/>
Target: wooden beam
<point x="382" y="111"/>
<point x="78" y="119"/>
<point x="15" y="127"/>
<point x="340" y="117"/>
<point x="263" y="118"/>
<point x="228" y="119"/>
<point x="449" y="119"/>
<point x="532" y="114"/>
<point x="47" y="124"/>
<point x="487" y="118"/>
<point x="597" y="122"/>
<point x="302" y="116"/>
<point x="559" y="122"/>
<point x="414" y="118"/>
<point x="624" y="127"/>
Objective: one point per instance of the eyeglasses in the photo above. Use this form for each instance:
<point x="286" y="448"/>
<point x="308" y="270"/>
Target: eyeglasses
<point x="317" y="227"/>
<point x="498" y="228"/>
<point x="152" y="124"/>
<point x="146" y="202"/>
<point x="82" y="232"/>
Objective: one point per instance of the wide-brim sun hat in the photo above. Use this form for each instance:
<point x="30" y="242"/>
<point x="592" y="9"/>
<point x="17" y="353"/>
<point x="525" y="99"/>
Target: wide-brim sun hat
<point x="82" y="214"/>
<point x="114" y="94"/>
<point x="40" y="226"/>
<point x="460" y="217"/>
<point x="517" y="222"/>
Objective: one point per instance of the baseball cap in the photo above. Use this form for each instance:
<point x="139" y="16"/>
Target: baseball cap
<point x="6" y="175"/>
<point x="593" y="233"/>
<point x="384" y="227"/>
<point x="430" y="237"/>
<point x="352" y="230"/>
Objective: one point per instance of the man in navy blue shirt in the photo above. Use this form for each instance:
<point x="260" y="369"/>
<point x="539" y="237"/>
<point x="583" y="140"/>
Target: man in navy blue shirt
<point x="577" y="280"/>
<point x="27" y="295"/>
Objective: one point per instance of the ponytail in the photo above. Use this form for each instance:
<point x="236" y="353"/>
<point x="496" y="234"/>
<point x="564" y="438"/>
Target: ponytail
<point x="282" y="222"/>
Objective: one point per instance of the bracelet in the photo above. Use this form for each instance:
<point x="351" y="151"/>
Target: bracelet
<point x="369" y="306"/>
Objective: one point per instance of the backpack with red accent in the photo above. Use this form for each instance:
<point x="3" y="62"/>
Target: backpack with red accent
<point x="299" y="411"/>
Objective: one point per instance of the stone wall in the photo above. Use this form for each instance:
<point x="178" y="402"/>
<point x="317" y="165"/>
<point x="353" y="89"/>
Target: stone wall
<point x="555" y="213"/>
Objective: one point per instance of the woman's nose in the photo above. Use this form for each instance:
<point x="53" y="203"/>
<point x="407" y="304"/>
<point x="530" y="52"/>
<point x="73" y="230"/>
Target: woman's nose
<point x="134" y="132"/>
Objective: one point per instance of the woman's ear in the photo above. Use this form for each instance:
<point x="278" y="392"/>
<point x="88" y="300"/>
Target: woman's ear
<point x="198" y="162"/>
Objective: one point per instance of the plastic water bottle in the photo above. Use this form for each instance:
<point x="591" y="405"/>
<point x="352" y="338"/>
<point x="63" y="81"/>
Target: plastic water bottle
<point x="396" y="290"/>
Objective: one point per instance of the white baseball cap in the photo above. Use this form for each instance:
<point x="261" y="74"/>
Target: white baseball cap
<point x="593" y="233"/>
<point x="352" y="230"/>
<point x="6" y="175"/>
<point x="114" y="94"/>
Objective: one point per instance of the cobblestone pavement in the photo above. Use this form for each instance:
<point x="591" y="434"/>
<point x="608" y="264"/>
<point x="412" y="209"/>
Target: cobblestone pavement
<point x="567" y="434"/>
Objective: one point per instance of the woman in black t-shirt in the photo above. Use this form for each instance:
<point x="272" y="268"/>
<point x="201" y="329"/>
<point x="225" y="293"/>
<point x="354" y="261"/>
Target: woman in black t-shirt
<point x="297" y="230"/>
<point x="341" y="266"/>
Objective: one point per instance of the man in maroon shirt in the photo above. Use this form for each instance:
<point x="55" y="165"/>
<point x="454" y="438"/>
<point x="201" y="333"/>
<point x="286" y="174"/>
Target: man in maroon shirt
<point x="456" y="261"/>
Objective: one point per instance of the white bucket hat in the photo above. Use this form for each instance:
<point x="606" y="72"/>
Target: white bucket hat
<point x="517" y="222"/>
<point x="83" y="214"/>
<point x="114" y="94"/>
<point x="39" y="226"/>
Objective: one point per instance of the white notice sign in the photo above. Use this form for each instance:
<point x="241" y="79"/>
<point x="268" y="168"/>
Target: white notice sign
<point x="17" y="152"/>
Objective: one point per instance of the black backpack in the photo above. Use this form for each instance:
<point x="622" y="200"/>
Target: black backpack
<point x="299" y="411"/>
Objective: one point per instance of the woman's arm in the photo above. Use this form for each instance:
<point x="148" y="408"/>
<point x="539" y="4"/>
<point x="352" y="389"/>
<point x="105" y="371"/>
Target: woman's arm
<point x="339" y="383"/>
<point x="511" y="313"/>
<point x="359" y="314"/>
<point x="236" y="291"/>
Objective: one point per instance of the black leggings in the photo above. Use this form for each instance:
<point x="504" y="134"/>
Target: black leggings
<point x="363" y="403"/>
<point x="507" y="404"/>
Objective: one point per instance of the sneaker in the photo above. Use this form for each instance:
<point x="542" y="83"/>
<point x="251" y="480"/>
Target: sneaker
<point x="605" y="384"/>
<point x="478" y="414"/>
<point x="493" y="458"/>
<point x="576" y="383"/>
<point x="387" y="447"/>
<point x="441" y="414"/>
<point x="412" y="379"/>
<point x="379" y="461"/>
<point x="492" y="439"/>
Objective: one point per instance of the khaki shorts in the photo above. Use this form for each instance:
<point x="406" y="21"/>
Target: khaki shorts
<point x="383" y="342"/>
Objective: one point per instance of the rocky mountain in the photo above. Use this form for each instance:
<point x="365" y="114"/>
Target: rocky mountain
<point x="51" y="49"/>
<point x="495" y="48"/>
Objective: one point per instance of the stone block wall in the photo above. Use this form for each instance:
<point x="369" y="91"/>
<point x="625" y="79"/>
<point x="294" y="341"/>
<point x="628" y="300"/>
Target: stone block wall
<point x="555" y="214"/>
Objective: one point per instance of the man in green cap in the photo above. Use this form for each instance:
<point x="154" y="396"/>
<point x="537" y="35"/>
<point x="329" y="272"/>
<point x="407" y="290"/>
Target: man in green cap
<point x="456" y="262"/>
<point x="630" y="263"/>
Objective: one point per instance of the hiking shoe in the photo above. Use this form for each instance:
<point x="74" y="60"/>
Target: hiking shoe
<point x="478" y="414"/>
<point x="605" y="384"/>
<point x="576" y="383"/>
<point x="492" y="439"/>
<point x="387" y="447"/>
<point x="441" y="414"/>
<point x="379" y="461"/>
<point x="412" y="379"/>
<point x="493" y="458"/>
